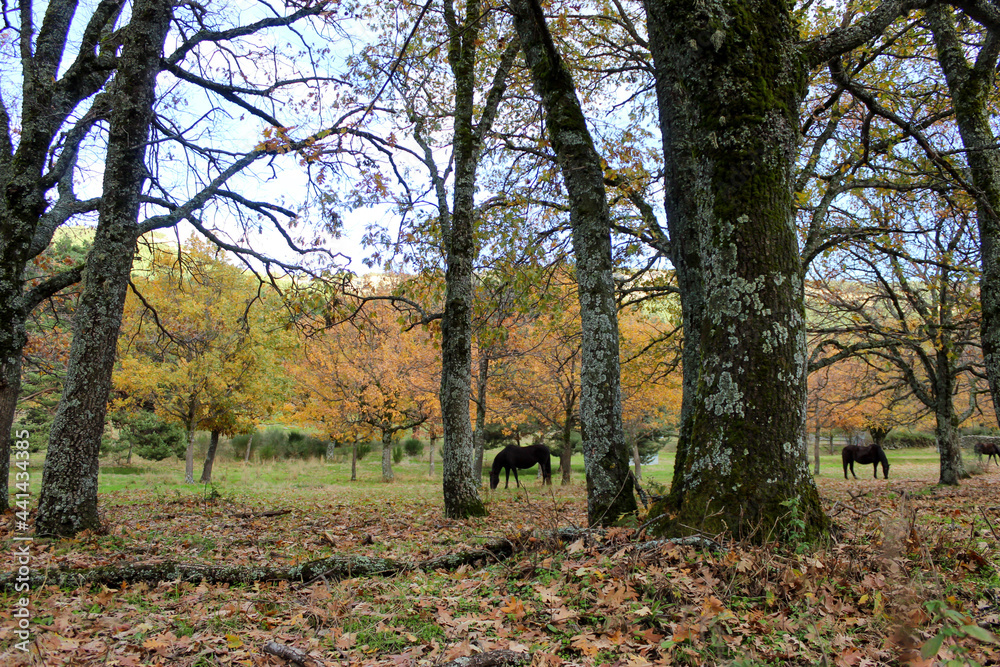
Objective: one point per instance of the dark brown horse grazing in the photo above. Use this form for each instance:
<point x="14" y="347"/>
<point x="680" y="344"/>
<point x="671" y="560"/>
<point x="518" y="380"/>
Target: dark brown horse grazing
<point x="870" y="454"/>
<point x="513" y="457"/>
<point x="990" y="449"/>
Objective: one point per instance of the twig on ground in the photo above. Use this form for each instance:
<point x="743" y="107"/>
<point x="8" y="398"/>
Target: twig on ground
<point x="255" y="515"/>
<point x="990" y="524"/>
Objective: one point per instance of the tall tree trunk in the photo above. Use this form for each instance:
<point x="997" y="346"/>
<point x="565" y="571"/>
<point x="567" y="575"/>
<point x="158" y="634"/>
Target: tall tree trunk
<point x="354" y="461"/>
<point x="970" y="88"/>
<point x="479" y="436"/>
<point x="246" y="454"/>
<point x="192" y="429"/>
<point x="946" y="421"/>
<point x="430" y="457"/>
<point x="48" y="96"/>
<point x="10" y="387"/>
<point x="213" y="444"/>
<point x="68" y="502"/>
<point x="461" y="491"/>
<point x="730" y="78"/>
<point x="566" y="453"/>
<point x="387" y="475"/>
<point x="610" y="493"/>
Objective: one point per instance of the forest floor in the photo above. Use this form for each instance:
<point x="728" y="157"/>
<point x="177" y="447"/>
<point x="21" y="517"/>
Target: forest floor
<point x="911" y="578"/>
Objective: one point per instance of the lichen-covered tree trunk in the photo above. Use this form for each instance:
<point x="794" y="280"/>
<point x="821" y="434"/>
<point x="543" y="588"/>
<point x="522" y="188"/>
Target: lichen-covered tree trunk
<point x="461" y="490"/>
<point x="970" y="86"/>
<point x="952" y="468"/>
<point x="192" y="431"/>
<point x="730" y="78"/>
<point x="387" y="475"/>
<point x="610" y="493"/>
<point x="52" y="87"/>
<point x="68" y="502"/>
<point x="206" y="471"/>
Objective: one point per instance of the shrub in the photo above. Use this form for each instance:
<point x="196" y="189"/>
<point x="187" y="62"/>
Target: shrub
<point x="397" y="454"/>
<point x="413" y="446"/>
<point x="149" y="436"/>
<point x="304" y="446"/>
<point x="271" y="443"/>
<point x="903" y="438"/>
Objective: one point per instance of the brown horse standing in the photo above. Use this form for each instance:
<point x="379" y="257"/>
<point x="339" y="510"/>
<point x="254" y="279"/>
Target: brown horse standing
<point x="990" y="449"/>
<point x="870" y="454"/>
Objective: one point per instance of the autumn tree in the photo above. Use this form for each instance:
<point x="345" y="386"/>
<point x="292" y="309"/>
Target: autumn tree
<point x="610" y="493"/>
<point x="366" y="377"/>
<point x="968" y="60"/>
<point x="651" y="378"/>
<point x="917" y="313"/>
<point x="202" y="346"/>
<point x="544" y="384"/>
<point x="730" y="82"/>
<point x="68" y="499"/>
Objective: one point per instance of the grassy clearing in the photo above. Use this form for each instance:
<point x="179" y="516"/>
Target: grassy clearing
<point x="914" y="568"/>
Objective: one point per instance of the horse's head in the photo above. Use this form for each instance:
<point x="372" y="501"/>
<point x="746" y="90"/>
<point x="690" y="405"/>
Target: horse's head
<point x="494" y="478"/>
<point x="885" y="468"/>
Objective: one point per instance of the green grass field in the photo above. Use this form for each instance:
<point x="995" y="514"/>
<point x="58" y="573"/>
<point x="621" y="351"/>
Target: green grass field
<point x="316" y="475"/>
<point x="907" y="555"/>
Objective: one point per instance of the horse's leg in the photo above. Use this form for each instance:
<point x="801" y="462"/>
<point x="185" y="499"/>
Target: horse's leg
<point x="506" y="483"/>
<point x="517" y="482"/>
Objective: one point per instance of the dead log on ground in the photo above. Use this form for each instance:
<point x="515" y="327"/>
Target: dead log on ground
<point x="333" y="568"/>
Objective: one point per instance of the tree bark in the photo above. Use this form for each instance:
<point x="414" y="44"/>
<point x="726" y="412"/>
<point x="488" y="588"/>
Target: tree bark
<point x="206" y="472"/>
<point x="354" y="461"/>
<point x="730" y="79"/>
<point x="68" y="501"/>
<point x="192" y="429"/>
<point x="637" y="459"/>
<point x="970" y="88"/>
<point x="952" y="468"/>
<point x="387" y="475"/>
<point x="461" y="491"/>
<point x="479" y="435"/>
<point x="246" y="454"/>
<point x="610" y="493"/>
<point x="52" y="89"/>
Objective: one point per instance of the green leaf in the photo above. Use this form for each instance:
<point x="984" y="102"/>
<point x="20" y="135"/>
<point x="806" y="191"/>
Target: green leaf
<point x="982" y="634"/>
<point x="932" y="646"/>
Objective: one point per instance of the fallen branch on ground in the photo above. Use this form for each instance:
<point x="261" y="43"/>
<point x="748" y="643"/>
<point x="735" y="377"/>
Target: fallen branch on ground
<point x="292" y="655"/>
<point x="334" y="568"/>
<point x="500" y="658"/>
<point x="260" y="515"/>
